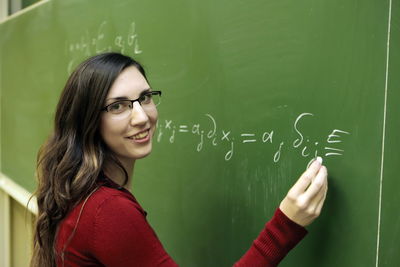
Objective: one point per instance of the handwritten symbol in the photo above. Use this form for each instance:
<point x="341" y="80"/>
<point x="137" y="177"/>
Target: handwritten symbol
<point x="183" y="129"/>
<point x="332" y="137"/>
<point x="168" y="124"/>
<point x="248" y="140"/>
<point x="334" y="153"/>
<point x="267" y="136"/>
<point x="196" y="129"/>
<point x="299" y="140"/>
<point x="229" y="154"/>
<point x="172" y="138"/>
<point x="225" y="135"/>
<point x="212" y="132"/>
<point x="200" y="145"/>
<point x="277" y="155"/>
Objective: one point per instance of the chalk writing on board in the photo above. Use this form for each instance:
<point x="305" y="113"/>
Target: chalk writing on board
<point x="170" y="130"/>
<point x="103" y="39"/>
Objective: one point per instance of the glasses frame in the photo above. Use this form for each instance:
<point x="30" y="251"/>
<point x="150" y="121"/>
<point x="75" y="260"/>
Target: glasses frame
<point x="132" y="101"/>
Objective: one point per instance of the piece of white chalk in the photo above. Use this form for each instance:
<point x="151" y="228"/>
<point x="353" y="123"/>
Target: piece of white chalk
<point x="319" y="159"/>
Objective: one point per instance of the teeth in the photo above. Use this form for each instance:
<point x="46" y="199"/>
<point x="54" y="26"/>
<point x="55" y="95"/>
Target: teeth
<point x="141" y="135"/>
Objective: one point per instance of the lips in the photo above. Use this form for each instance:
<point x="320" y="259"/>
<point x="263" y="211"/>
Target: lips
<point x="139" y="136"/>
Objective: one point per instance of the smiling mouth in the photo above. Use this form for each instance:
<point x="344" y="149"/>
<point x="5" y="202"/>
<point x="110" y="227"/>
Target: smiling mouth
<point x="140" y="136"/>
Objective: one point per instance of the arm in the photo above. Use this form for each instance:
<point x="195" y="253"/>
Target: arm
<point x="301" y="206"/>
<point x="123" y="237"/>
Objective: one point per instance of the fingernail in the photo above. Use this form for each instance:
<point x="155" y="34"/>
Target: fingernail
<point x="318" y="159"/>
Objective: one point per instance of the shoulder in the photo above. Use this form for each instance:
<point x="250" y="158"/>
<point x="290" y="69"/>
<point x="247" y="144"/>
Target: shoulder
<point x="117" y="217"/>
<point x="120" y="233"/>
<point x="106" y="199"/>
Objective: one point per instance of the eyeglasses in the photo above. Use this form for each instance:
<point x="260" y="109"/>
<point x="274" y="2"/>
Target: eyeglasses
<point x="148" y="101"/>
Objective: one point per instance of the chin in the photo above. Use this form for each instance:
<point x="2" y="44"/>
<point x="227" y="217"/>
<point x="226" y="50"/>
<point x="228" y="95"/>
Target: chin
<point x="142" y="154"/>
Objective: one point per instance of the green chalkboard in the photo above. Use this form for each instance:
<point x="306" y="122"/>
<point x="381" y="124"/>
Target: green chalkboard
<point x="252" y="91"/>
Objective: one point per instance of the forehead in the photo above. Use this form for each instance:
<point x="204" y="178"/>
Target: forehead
<point x="130" y="83"/>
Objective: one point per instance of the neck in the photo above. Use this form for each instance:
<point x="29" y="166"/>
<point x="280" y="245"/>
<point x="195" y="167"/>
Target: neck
<point x="117" y="175"/>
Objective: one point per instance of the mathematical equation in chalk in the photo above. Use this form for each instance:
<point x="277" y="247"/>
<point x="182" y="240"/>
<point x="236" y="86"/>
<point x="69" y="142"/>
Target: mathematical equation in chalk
<point x="330" y="146"/>
<point x="102" y="40"/>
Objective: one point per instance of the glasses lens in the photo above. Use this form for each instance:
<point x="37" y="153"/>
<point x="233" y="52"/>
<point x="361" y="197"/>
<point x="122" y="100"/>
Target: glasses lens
<point x="119" y="107"/>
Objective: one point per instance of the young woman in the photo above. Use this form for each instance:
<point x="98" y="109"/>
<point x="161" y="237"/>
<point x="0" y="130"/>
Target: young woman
<point x="105" y="121"/>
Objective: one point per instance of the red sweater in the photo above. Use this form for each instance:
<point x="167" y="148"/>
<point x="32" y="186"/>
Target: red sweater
<point x="113" y="231"/>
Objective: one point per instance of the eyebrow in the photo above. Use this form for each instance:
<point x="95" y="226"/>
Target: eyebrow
<point x="125" y="97"/>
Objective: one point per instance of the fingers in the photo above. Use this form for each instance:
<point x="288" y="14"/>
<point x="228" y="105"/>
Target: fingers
<point x="304" y="201"/>
<point x="322" y="200"/>
<point x="305" y="179"/>
<point x="316" y="202"/>
<point x="317" y="185"/>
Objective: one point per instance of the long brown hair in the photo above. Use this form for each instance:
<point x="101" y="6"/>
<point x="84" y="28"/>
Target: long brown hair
<point x="73" y="157"/>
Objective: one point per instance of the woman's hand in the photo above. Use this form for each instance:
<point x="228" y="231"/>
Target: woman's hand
<point x="305" y="199"/>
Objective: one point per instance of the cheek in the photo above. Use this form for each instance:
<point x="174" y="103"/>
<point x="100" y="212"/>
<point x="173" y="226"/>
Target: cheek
<point x="107" y="131"/>
<point x="103" y="131"/>
<point x="153" y="116"/>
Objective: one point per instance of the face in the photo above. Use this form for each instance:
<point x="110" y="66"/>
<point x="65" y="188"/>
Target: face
<point x="129" y="136"/>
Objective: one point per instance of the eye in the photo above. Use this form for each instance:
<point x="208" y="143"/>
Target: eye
<point x="119" y="107"/>
<point x="146" y="98"/>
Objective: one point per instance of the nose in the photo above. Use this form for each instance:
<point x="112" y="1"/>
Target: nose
<point x="138" y="115"/>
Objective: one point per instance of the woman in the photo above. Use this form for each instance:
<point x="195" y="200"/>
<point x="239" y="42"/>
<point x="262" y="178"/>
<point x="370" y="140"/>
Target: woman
<point x="105" y="121"/>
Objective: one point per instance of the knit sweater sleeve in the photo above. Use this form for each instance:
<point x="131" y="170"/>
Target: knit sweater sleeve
<point x="123" y="237"/>
<point x="278" y="237"/>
